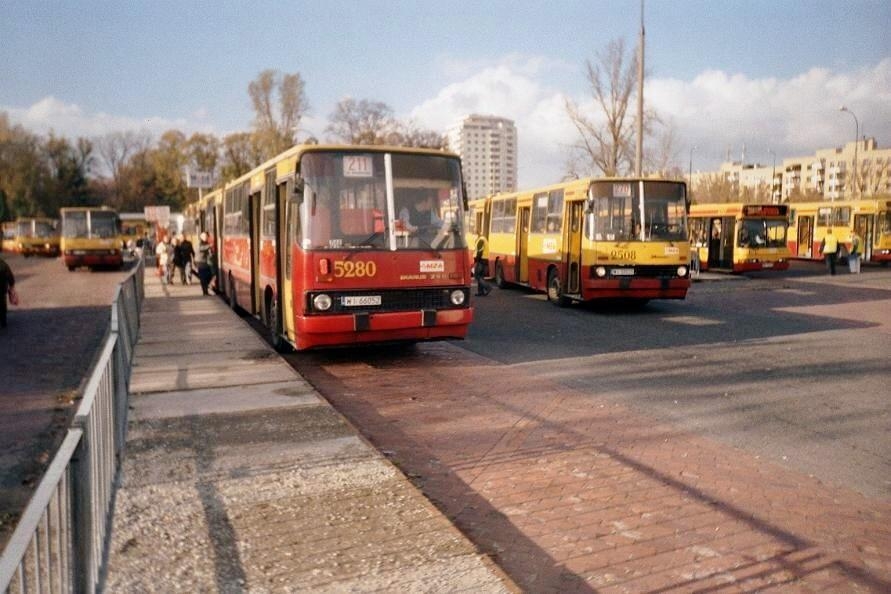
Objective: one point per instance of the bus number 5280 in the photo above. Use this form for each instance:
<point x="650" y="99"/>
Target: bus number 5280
<point x="357" y="269"/>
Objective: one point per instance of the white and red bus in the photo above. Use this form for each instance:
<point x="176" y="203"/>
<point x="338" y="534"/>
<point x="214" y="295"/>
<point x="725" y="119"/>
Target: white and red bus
<point x="344" y="245"/>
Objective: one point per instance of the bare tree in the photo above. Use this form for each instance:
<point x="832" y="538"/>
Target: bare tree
<point x="115" y="148"/>
<point x="276" y="123"/>
<point x="410" y="134"/>
<point x="607" y="146"/>
<point x="361" y="122"/>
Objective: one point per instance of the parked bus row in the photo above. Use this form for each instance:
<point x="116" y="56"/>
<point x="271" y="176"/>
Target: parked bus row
<point x="588" y="239"/>
<point x="751" y="237"/>
<point x="342" y="245"/>
<point x="31" y="236"/>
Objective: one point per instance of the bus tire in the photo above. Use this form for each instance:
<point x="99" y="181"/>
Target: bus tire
<point x="275" y="337"/>
<point x="72" y="268"/>
<point x="555" y="292"/>
<point x="230" y="290"/>
<point x="499" y="275"/>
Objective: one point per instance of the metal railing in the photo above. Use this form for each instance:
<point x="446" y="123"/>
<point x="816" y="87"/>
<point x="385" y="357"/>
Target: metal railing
<point x="59" y="544"/>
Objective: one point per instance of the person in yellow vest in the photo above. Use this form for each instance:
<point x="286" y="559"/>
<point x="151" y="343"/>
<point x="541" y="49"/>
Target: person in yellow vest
<point x="856" y="253"/>
<point x="829" y="249"/>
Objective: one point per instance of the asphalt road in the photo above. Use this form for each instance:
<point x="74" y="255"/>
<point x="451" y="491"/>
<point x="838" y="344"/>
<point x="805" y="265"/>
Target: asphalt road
<point x="45" y="354"/>
<point x="790" y="367"/>
<point x="736" y="440"/>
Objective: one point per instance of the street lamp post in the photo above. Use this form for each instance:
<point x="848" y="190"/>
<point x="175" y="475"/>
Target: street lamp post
<point x="773" y="177"/>
<point x="690" y="178"/>
<point x="856" y="142"/>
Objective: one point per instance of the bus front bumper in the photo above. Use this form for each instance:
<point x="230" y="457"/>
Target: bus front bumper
<point x="636" y="288"/>
<point x="76" y="259"/>
<point x="361" y="328"/>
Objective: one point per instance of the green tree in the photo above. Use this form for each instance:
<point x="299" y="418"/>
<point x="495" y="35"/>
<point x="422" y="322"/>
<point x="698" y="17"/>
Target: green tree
<point x="22" y="170"/>
<point x="240" y="154"/>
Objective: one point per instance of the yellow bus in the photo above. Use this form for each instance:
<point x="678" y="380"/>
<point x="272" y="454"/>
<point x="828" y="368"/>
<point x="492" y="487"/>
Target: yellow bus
<point x="91" y="236"/>
<point x="740" y="237"/>
<point x="592" y="239"/>
<point x="37" y="236"/>
<point x="871" y="218"/>
<point x="8" y="244"/>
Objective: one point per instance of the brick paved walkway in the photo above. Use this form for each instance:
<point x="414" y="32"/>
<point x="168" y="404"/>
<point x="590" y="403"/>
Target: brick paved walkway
<point x="238" y="477"/>
<point x="570" y="493"/>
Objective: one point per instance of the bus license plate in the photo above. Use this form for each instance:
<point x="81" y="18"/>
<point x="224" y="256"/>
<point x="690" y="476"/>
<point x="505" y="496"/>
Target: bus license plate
<point x="623" y="272"/>
<point x="767" y="265"/>
<point x="362" y="301"/>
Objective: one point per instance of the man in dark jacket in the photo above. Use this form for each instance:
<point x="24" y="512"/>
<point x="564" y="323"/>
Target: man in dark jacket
<point x="7" y="282"/>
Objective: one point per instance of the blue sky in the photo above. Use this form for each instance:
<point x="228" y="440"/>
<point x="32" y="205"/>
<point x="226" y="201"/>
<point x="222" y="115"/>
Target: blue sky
<point x="769" y="75"/>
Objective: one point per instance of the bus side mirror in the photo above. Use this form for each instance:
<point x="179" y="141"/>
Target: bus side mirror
<point x="589" y="205"/>
<point x="299" y="186"/>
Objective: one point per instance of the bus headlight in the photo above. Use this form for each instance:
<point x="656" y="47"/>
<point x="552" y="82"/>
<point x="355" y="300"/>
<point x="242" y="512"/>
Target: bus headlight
<point x="600" y="271"/>
<point x="682" y="271"/>
<point x="457" y="297"/>
<point x="322" y="302"/>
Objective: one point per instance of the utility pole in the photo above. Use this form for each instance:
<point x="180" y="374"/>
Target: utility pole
<point x="856" y="142"/>
<point x="638" y="159"/>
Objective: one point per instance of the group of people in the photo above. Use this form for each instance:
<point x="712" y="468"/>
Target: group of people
<point x="178" y="258"/>
<point x="831" y="248"/>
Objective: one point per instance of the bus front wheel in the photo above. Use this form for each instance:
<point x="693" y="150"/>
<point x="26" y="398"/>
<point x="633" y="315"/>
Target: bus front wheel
<point x="555" y="291"/>
<point x="275" y="328"/>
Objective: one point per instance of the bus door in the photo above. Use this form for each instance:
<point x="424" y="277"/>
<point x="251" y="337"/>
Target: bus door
<point x="283" y="305"/>
<point x="863" y="225"/>
<point x="523" y="245"/>
<point x="805" y="236"/>
<point x="254" y="203"/>
<point x="573" y="252"/>
<point x="720" y="243"/>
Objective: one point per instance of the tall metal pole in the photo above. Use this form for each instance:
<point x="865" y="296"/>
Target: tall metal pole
<point x="638" y="159"/>
<point x="773" y="178"/>
<point x="856" y="142"/>
<point x="690" y="178"/>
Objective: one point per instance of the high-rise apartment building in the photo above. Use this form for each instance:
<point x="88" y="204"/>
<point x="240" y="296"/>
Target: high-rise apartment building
<point x="488" y="149"/>
<point x="828" y="174"/>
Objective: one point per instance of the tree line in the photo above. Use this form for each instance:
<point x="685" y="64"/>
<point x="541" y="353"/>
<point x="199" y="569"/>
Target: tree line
<point x="129" y="170"/>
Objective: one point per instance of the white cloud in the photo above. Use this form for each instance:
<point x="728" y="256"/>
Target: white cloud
<point x="70" y="120"/>
<point x="511" y="89"/>
<point x="718" y="112"/>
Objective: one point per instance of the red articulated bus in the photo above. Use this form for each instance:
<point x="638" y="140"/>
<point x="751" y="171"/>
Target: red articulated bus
<point x="345" y="245"/>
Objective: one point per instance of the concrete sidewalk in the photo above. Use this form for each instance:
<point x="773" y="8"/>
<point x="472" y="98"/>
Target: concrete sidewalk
<point x="239" y="477"/>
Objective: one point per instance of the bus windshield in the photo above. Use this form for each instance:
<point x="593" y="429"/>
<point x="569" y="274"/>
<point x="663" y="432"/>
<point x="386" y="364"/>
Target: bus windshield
<point x="44" y="229"/>
<point x="372" y="200"/>
<point x="90" y="224"/>
<point x="617" y="211"/>
<point x="756" y="233"/>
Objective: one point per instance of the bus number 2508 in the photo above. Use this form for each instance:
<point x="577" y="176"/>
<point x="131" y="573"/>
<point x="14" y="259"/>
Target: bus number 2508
<point x="622" y="255"/>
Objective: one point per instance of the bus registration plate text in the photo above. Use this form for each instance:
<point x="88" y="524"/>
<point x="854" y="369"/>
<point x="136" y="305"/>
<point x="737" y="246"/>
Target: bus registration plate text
<point x="360" y="301"/>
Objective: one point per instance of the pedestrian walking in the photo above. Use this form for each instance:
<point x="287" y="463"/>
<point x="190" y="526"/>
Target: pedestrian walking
<point x="162" y="253"/>
<point x="7" y="288"/>
<point x="203" y="260"/>
<point x="856" y="253"/>
<point x="479" y="268"/>
<point x="187" y="260"/>
<point x="829" y="249"/>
